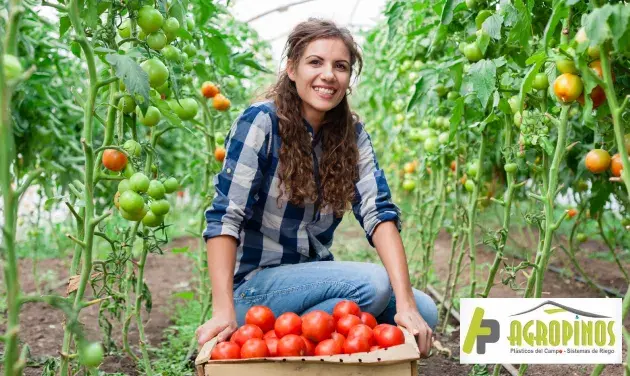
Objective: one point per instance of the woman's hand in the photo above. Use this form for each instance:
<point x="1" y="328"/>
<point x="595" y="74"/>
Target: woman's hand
<point x="221" y="325"/>
<point x="411" y="320"/>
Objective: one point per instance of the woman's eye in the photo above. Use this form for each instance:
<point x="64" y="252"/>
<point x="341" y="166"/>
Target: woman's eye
<point x="341" y="66"/>
<point x="315" y="62"/>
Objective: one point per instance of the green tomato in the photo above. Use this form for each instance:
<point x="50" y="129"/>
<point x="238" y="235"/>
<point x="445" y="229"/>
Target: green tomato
<point x="157" y="71"/>
<point x="400" y="118"/>
<point x="171" y="53"/>
<point x="398" y="105"/>
<point x="581" y="237"/>
<point x="473" y="169"/>
<point x="440" y="90"/>
<point x="151" y="118"/>
<point x="443" y="138"/>
<point x="469" y="185"/>
<point x="413" y="76"/>
<point x="566" y="66"/>
<point x="481" y="17"/>
<point x="220" y="137"/>
<point x="409" y="185"/>
<point x="128" y="171"/>
<point x="581" y="186"/>
<point x="418" y="64"/>
<point x="190" y="50"/>
<point x="170" y="37"/>
<point x="541" y="81"/>
<point x="139" y="182"/>
<point x="134" y="217"/>
<point x="157" y="40"/>
<point x="150" y="19"/>
<point x="470" y="4"/>
<point x="452" y="95"/>
<point x="431" y="144"/>
<point x="171" y="25"/>
<point x="186" y="109"/>
<point x="128" y="104"/>
<point x="514" y="103"/>
<point x="133" y="148"/>
<point x="625" y="222"/>
<point x="152" y="220"/>
<point x="424" y="134"/>
<point x="124" y="185"/>
<point x="473" y="52"/>
<point x="91" y="355"/>
<point x="160" y="207"/>
<point x="12" y="67"/>
<point x="131" y="202"/>
<point x="188" y="65"/>
<point x="190" y="24"/>
<point x="124" y="30"/>
<point x="171" y="185"/>
<point x="510" y="167"/>
<point x="142" y="35"/>
<point x="593" y="52"/>
<point x="156" y="190"/>
<point x="518" y="119"/>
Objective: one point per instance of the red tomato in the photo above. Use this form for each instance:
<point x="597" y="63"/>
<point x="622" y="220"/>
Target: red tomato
<point x="374" y="348"/>
<point x="389" y="336"/>
<point x="346" y="307"/>
<point x="270" y="334"/>
<point x="291" y="345"/>
<point x="317" y="326"/>
<point x="260" y="316"/>
<point x="345" y="323"/>
<point x="328" y="347"/>
<point x="368" y="319"/>
<point x="356" y="345"/>
<point x="272" y="345"/>
<point x="339" y="338"/>
<point x="245" y="332"/>
<point x="310" y="347"/>
<point x="362" y="331"/>
<point x="254" y="348"/>
<point x="378" y="328"/>
<point x="114" y="160"/>
<point x="288" y="323"/>
<point x="225" y="350"/>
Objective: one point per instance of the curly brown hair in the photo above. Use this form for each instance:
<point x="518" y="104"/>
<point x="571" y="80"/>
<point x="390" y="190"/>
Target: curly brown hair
<point x="338" y="166"/>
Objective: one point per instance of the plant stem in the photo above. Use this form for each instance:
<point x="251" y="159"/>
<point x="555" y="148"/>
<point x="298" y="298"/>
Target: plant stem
<point x="611" y="246"/>
<point x="472" y="212"/>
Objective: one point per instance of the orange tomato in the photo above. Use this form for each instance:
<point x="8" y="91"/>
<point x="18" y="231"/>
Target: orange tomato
<point x="572" y="212"/>
<point x="114" y="160"/>
<point x="409" y="167"/>
<point x="568" y="87"/>
<point x="597" y="161"/>
<point x="209" y="90"/>
<point x="220" y="102"/>
<point x="219" y="154"/>
<point x="615" y="165"/>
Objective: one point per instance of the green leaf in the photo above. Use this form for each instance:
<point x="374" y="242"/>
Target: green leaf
<point x="492" y="26"/>
<point x="457" y="74"/>
<point x="179" y="250"/>
<point x="526" y="85"/>
<point x="596" y="25"/>
<point x="186" y="295"/>
<point x="483" y="41"/>
<point x="482" y="76"/>
<point x="456" y="117"/>
<point x="183" y="33"/>
<point x="178" y="11"/>
<point x="135" y="79"/>
<point x="447" y="11"/>
<point x="205" y="10"/>
<point x="64" y="25"/>
<point x="92" y="14"/>
<point x="600" y="192"/>
<point x="419" y="89"/>
<point x="76" y="49"/>
<point x="248" y="60"/>
<point x="521" y="30"/>
<point x="559" y="12"/>
<point x="394" y="13"/>
<point x="220" y="52"/>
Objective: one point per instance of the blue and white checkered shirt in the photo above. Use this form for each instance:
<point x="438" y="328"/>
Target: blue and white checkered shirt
<point x="271" y="233"/>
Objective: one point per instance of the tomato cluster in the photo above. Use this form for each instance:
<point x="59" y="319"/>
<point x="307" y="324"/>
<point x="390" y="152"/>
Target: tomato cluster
<point x="317" y="333"/>
<point x="149" y="209"/>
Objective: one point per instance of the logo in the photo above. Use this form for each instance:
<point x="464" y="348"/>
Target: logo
<point x="558" y="331"/>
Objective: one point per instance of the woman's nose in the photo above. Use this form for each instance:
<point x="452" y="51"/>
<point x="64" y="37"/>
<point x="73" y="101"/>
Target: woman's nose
<point x="327" y="74"/>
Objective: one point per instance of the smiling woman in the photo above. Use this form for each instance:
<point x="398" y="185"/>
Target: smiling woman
<point x="294" y="165"/>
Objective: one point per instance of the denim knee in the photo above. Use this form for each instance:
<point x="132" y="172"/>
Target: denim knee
<point x="379" y="291"/>
<point x="427" y="308"/>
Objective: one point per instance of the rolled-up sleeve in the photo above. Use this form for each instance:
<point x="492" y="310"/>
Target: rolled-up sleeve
<point x="237" y="185"/>
<point x="374" y="199"/>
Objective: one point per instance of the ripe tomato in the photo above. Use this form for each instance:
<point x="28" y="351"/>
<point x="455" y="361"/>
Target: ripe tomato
<point x="389" y="336"/>
<point x="368" y="319"/>
<point x="270" y="334"/>
<point x="572" y="212"/>
<point x="409" y="168"/>
<point x="288" y="323"/>
<point x="157" y="40"/>
<point x="328" y="347"/>
<point x="615" y="165"/>
<point x="246" y="332"/>
<point x="317" y="326"/>
<point x="157" y="71"/>
<point x="209" y="90"/>
<point x="219" y="154"/>
<point x="150" y="19"/>
<point x="374" y="348"/>
<point x="541" y="81"/>
<point x="272" y="345"/>
<point x="225" y="350"/>
<point x="473" y="52"/>
<point x="346" y="307"/>
<point x="356" y="345"/>
<point x="254" y="348"/>
<point x="310" y="347"/>
<point x="346" y="323"/>
<point x="453" y="165"/>
<point x="114" y="160"/>
<point x="597" y="161"/>
<point x="339" y="338"/>
<point x="568" y="87"/>
<point x="362" y="331"/>
<point x="220" y="102"/>
<point x="12" y="67"/>
<point x="260" y="316"/>
<point x="91" y="355"/>
<point x="291" y="345"/>
<point x="151" y="118"/>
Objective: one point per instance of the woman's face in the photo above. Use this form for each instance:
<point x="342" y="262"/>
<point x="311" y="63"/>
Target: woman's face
<point x="321" y="76"/>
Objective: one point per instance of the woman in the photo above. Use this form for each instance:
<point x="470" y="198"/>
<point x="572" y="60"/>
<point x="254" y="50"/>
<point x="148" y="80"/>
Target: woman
<point x="293" y="165"/>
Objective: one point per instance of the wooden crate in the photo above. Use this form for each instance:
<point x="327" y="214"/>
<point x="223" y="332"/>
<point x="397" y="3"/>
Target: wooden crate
<point x="394" y="361"/>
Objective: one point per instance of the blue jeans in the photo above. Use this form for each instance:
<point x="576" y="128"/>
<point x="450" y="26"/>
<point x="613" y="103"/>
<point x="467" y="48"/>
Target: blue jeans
<point x="309" y="286"/>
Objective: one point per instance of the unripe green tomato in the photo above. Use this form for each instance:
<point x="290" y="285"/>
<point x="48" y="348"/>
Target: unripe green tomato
<point x="190" y="24"/>
<point x="418" y="64"/>
<point x="151" y="118"/>
<point x="128" y="171"/>
<point x="409" y="185"/>
<point x="510" y="167"/>
<point x="190" y="50"/>
<point x="91" y="355"/>
<point x="452" y="95"/>
<point x="170" y="37"/>
<point x="473" y="52"/>
<point x="566" y="66"/>
<point x="405" y="66"/>
<point x="160" y="207"/>
<point x="398" y="105"/>
<point x="424" y="134"/>
<point x="171" y="25"/>
<point x="440" y="90"/>
<point x="171" y="185"/>
<point x="157" y="40"/>
<point x="171" y="53"/>
<point x="581" y="186"/>
<point x="514" y="103"/>
<point x="164" y="89"/>
<point x="473" y="169"/>
<point x="481" y="17"/>
<point x="593" y="52"/>
<point x="400" y="118"/>
<point x="156" y="70"/>
<point x="128" y="104"/>
<point x="518" y="119"/>
<point x="152" y="220"/>
<point x="12" y="67"/>
<point x="139" y="182"/>
<point x="581" y="237"/>
<point x="469" y="185"/>
<point x="150" y="19"/>
<point x="413" y="76"/>
<point x="131" y="202"/>
<point x="156" y="190"/>
<point x="133" y="148"/>
<point x="186" y="109"/>
<point x="220" y="138"/>
<point x="470" y="4"/>
<point x="124" y="185"/>
<point x="443" y="138"/>
<point x="541" y="81"/>
<point x="189" y="65"/>
<point x="431" y="145"/>
<point x="124" y="30"/>
<point x="142" y="35"/>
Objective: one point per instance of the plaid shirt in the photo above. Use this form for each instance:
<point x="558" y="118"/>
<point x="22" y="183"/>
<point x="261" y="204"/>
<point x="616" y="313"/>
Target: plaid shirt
<point x="271" y="233"/>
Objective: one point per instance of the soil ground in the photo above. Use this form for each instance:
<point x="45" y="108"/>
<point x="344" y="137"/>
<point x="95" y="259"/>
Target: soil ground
<point x="170" y="273"/>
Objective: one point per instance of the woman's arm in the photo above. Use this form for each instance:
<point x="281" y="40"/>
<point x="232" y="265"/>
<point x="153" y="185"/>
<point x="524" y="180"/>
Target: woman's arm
<point x="390" y="249"/>
<point x="221" y="260"/>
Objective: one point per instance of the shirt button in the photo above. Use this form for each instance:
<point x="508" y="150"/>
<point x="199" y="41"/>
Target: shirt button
<point x="229" y="170"/>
